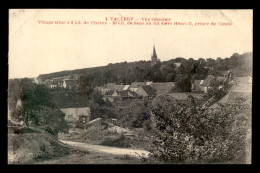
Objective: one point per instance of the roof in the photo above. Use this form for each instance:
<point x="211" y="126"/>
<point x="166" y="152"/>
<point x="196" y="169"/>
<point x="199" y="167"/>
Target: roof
<point x="149" y="90"/>
<point x="161" y="88"/>
<point x="137" y="84"/>
<point x="71" y="82"/>
<point x="126" y="87"/>
<point x="126" y="93"/>
<point x="110" y="86"/>
<point x="119" y="87"/>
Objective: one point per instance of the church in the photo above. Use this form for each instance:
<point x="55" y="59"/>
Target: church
<point x="154" y="57"/>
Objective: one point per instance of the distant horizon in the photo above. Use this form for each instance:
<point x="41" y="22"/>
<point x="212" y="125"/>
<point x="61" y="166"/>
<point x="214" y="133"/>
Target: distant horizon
<point x="127" y="62"/>
<point x="36" y="48"/>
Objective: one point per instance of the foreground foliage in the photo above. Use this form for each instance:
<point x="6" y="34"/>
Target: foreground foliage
<point x="196" y="135"/>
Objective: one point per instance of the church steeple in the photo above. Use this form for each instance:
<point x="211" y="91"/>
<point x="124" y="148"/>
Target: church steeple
<point x="153" y="57"/>
<point x="154" y="52"/>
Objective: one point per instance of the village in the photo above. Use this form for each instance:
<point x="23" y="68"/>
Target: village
<point x="147" y="90"/>
<point x="121" y="115"/>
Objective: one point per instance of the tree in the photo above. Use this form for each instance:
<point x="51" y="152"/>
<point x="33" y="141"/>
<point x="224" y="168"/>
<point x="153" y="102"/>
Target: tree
<point x="99" y="107"/>
<point x="217" y="89"/>
<point x="50" y="119"/>
<point x="84" y="84"/>
<point x="183" y="84"/>
<point x="37" y="108"/>
<point x="187" y="135"/>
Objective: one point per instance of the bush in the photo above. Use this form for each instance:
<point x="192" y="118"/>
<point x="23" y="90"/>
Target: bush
<point x="187" y="135"/>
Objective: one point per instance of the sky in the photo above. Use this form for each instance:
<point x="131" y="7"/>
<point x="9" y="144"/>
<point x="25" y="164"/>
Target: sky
<point x="45" y="48"/>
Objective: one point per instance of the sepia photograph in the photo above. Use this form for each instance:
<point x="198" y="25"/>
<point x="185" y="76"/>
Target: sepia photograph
<point x="130" y="86"/>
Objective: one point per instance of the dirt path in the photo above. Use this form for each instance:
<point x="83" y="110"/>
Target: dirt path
<point x="106" y="149"/>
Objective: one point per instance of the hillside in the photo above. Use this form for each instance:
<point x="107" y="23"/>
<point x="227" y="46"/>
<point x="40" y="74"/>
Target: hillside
<point x="128" y="72"/>
<point x="28" y="145"/>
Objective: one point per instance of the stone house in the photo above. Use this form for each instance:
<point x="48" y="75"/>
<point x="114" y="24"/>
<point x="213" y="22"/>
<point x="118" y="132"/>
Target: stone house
<point x="81" y="114"/>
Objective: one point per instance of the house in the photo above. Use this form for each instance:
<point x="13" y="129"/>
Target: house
<point x="54" y="86"/>
<point x="145" y="91"/>
<point x="109" y="87"/>
<point x="69" y="83"/>
<point x="124" y="94"/>
<point x="162" y="88"/>
<point x="135" y="85"/>
<point x="121" y="87"/>
<point x="81" y="114"/>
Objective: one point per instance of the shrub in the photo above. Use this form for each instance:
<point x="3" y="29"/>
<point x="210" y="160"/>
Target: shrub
<point x="196" y="135"/>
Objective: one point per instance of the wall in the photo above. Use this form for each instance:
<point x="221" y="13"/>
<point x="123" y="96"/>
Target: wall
<point x="96" y="122"/>
<point x="72" y="114"/>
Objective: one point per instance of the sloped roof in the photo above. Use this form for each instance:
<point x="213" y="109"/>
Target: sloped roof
<point x="133" y="93"/>
<point x="126" y="93"/>
<point x="126" y="87"/>
<point x="162" y="87"/>
<point x="137" y="84"/>
<point x="149" y="90"/>
<point x="123" y="93"/>
<point x="119" y="87"/>
<point x="110" y="86"/>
